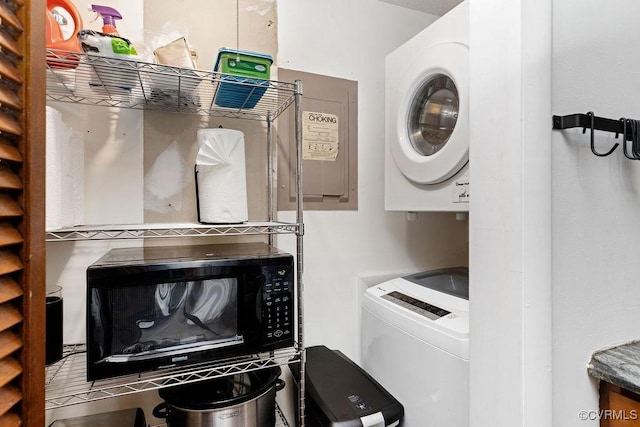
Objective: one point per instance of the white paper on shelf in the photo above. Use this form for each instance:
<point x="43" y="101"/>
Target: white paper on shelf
<point x="53" y="174"/>
<point x="166" y="180"/>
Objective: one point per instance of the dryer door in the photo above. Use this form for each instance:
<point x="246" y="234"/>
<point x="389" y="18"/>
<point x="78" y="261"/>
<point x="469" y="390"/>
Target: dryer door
<point x="431" y="141"/>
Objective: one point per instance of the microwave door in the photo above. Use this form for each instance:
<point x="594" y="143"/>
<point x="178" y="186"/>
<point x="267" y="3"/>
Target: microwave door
<point x="191" y="315"/>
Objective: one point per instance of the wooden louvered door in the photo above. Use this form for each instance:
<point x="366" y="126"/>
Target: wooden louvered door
<point x="22" y="247"/>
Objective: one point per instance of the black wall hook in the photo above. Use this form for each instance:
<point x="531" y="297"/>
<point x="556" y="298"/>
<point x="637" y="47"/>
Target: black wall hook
<point x="625" y="125"/>
<point x="593" y="145"/>
<point x="634" y="125"/>
<point x="629" y="129"/>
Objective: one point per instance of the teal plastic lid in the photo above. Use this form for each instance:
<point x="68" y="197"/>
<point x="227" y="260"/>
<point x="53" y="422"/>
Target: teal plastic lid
<point x="224" y="50"/>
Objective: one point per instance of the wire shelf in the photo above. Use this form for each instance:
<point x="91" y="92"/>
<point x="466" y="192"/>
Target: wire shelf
<point x="66" y="382"/>
<point x="85" y="78"/>
<point x="166" y="230"/>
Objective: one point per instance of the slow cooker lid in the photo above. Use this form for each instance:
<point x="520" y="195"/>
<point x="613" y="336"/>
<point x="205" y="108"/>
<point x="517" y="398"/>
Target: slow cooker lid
<point x="221" y="392"/>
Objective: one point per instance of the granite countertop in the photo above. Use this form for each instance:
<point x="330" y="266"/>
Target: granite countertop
<point x="618" y="365"/>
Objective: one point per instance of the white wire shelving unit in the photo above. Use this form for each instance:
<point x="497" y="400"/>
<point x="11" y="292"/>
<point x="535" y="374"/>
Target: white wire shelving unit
<point x="89" y="79"/>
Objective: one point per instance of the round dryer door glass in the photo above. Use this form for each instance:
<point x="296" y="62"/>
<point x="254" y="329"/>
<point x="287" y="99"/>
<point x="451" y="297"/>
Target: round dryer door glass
<point x="433" y="114"/>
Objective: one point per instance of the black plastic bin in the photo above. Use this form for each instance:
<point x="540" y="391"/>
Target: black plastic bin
<point x="341" y="394"/>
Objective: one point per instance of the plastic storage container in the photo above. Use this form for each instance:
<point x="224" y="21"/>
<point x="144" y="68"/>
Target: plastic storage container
<point x="341" y="394"/>
<point x="245" y="78"/>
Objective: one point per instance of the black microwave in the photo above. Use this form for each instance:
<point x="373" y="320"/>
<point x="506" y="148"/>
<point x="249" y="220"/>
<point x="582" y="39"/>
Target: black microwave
<point x="153" y="308"/>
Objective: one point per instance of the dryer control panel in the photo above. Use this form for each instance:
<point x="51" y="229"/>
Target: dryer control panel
<point x="460" y="191"/>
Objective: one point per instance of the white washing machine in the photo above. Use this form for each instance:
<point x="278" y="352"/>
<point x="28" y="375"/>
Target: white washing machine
<point x="427" y="118"/>
<point x="415" y="343"/>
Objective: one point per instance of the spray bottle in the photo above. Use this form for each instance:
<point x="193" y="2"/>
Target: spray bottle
<point x="110" y="43"/>
<point x="109" y="16"/>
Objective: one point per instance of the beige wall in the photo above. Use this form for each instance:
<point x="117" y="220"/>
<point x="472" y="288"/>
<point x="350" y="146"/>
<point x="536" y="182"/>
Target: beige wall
<point x="207" y="26"/>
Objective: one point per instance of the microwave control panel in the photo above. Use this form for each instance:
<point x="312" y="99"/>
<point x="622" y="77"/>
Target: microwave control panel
<point x="277" y="314"/>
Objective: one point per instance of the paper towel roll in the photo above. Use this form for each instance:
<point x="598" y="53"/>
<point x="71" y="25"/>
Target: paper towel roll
<point x="73" y="180"/>
<point x="221" y="176"/>
<point x="53" y="175"/>
<point x="64" y="173"/>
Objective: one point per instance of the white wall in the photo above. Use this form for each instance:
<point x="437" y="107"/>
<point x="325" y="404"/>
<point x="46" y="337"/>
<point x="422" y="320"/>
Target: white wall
<point x="594" y="207"/>
<point x="350" y="40"/>
<point x="510" y="220"/>
<point x="596" y="201"/>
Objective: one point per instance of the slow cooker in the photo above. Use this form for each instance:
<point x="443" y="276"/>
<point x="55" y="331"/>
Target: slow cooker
<point x="240" y="400"/>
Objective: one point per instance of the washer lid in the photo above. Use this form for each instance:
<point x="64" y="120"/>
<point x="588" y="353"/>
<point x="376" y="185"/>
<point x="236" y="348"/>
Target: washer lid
<point x="433" y="317"/>
<point x="430" y="135"/>
<point x="451" y="281"/>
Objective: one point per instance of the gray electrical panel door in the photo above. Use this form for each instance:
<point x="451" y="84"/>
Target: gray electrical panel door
<point x="329" y="144"/>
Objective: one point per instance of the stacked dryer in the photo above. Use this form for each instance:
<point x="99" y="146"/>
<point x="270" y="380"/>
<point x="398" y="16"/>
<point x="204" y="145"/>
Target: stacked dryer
<point x="427" y="118"/>
<point x="415" y="329"/>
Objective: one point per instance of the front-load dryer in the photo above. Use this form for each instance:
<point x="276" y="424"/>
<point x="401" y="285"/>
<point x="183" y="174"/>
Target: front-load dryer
<point x="427" y="118"/>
